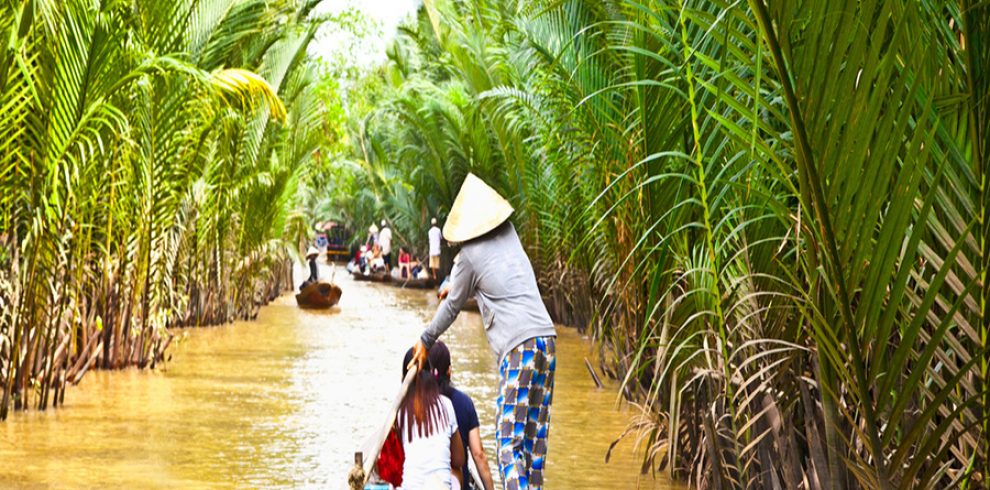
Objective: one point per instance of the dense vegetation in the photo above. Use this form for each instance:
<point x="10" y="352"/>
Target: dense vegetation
<point x="150" y="156"/>
<point x="770" y="214"/>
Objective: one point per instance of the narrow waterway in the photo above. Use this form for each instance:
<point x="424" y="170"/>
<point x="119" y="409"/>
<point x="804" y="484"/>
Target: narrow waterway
<point x="284" y="401"/>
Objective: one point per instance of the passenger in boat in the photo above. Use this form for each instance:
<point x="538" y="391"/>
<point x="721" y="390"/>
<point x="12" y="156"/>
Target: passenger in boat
<point x="467" y="417"/>
<point x="377" y="263"/>
<point x="417" y="270"/>
<point x="493" y="267"/>
<point x="360" y="258"/>
<point x="314" y="271"/>
<point x="427" y="426"/>
<point x="385" y="240"/>
<point x="404" y="265"/>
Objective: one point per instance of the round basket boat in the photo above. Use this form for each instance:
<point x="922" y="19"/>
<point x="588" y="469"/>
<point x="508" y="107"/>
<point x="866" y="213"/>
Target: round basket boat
<point x="318" y="295"/>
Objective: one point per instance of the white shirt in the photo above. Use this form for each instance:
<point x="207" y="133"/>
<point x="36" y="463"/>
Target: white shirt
<point x="434" y="241"/>
<point x="428" y="458"/>
<point x="385" y="240"/>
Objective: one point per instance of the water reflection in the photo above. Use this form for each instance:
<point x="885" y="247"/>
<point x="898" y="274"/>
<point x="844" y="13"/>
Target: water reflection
<point x="285" y="400"/>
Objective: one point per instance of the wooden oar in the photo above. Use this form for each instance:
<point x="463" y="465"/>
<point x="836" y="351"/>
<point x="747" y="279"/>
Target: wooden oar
<point x="473" y="470"/>
<point x="372" y="457"/>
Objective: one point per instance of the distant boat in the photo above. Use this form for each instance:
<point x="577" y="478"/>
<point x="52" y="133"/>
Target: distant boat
<point x="373" y="277"/>
<point x="334" y="236"/>
<point x="318" y="295"/>
<point x="408" y="282"/>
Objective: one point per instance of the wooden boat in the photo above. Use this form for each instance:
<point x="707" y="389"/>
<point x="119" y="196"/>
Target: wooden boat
<point x="375" y="277"/>
<point x="338" y="253"/>
<point x="398" y="280"/>
<point x="318" y="295"/>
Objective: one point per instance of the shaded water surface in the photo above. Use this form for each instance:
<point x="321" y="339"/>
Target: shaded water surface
<point x="284" y="401"/>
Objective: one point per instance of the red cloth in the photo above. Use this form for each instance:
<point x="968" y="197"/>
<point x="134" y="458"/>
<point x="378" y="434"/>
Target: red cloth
<point x="391" y="458"/>
<point x="404" y="258"/>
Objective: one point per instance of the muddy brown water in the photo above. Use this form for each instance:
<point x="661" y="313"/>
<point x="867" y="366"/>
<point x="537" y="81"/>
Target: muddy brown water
<point x="284" y="401"/>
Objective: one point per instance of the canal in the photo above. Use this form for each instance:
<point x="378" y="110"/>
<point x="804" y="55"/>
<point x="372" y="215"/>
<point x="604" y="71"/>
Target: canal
<point x="285" y="400"/>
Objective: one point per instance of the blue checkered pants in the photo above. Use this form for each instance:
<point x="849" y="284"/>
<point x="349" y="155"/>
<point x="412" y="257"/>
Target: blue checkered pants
<point x="525" y="392"/>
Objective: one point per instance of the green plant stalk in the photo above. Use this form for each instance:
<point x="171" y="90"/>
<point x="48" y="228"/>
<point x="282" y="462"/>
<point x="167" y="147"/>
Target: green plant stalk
<point x="806" y="163"/>
<point x="979" y="123"/>
<point x="61" y="185"/>
<point x="715" y="292"/>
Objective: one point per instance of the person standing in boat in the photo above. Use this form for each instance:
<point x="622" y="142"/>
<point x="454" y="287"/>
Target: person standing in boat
<point x="434" y="235"/>
<point x="385" y="240"/>
<point x="314" y="271"/>
<point x="372" y="236"/>
<point x="467" y="417"/>
<point x="493" y="267"/>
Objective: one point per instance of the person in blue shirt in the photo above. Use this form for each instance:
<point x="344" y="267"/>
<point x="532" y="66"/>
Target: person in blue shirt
<point x="467" y="417"/>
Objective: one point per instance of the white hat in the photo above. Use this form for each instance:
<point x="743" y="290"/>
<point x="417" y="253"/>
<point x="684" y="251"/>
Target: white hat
<point x="312" y="251"/>
<point x="477" y="210"/>
<point x="372" y="228"/>
<point x="384" y="224"/>
<point x="433" y="221"/>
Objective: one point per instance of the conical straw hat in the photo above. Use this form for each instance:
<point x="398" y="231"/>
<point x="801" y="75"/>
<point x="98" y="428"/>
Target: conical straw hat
<point x="477" y="210"/>
<point x="312" y="251"/>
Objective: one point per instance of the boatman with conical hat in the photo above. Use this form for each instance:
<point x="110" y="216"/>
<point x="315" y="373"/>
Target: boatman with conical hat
<point x="314" y="273"/>
<point x="493" y="267"/>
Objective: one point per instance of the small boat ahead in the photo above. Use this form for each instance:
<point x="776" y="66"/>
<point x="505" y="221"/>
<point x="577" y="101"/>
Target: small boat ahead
<point x="408" y="282"/>
<point x="318" y="295"/>
<point x="373" y="277"/>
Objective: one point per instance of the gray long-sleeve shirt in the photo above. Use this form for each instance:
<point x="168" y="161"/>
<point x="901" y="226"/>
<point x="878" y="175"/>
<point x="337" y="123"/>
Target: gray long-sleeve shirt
<point x="496" y="270"/>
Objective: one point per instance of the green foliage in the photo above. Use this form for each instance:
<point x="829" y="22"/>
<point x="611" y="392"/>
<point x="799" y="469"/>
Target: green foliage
<point x="150" y="164"/>
<point x="778" y="208"/>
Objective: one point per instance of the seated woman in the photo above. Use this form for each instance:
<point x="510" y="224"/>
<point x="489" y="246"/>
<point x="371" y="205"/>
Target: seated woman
<point x="427" y="426"/>
<point x="377" y="261"/>
<point x="467" y="417"/>
<point x="417" y="269"/>
<point x="403" y="263"/>
<point x="357" y="263"/>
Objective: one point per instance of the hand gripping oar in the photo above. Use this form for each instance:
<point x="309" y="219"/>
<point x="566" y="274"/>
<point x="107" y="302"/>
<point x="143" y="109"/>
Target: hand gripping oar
<point x="369" y="462"/>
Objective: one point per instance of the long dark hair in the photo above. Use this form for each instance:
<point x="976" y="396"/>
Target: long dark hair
<point x="440" y="361"/>
<point x="422" y="402"/>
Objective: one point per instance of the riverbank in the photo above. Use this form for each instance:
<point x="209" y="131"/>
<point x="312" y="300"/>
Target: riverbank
<point x="285" y="400"/>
